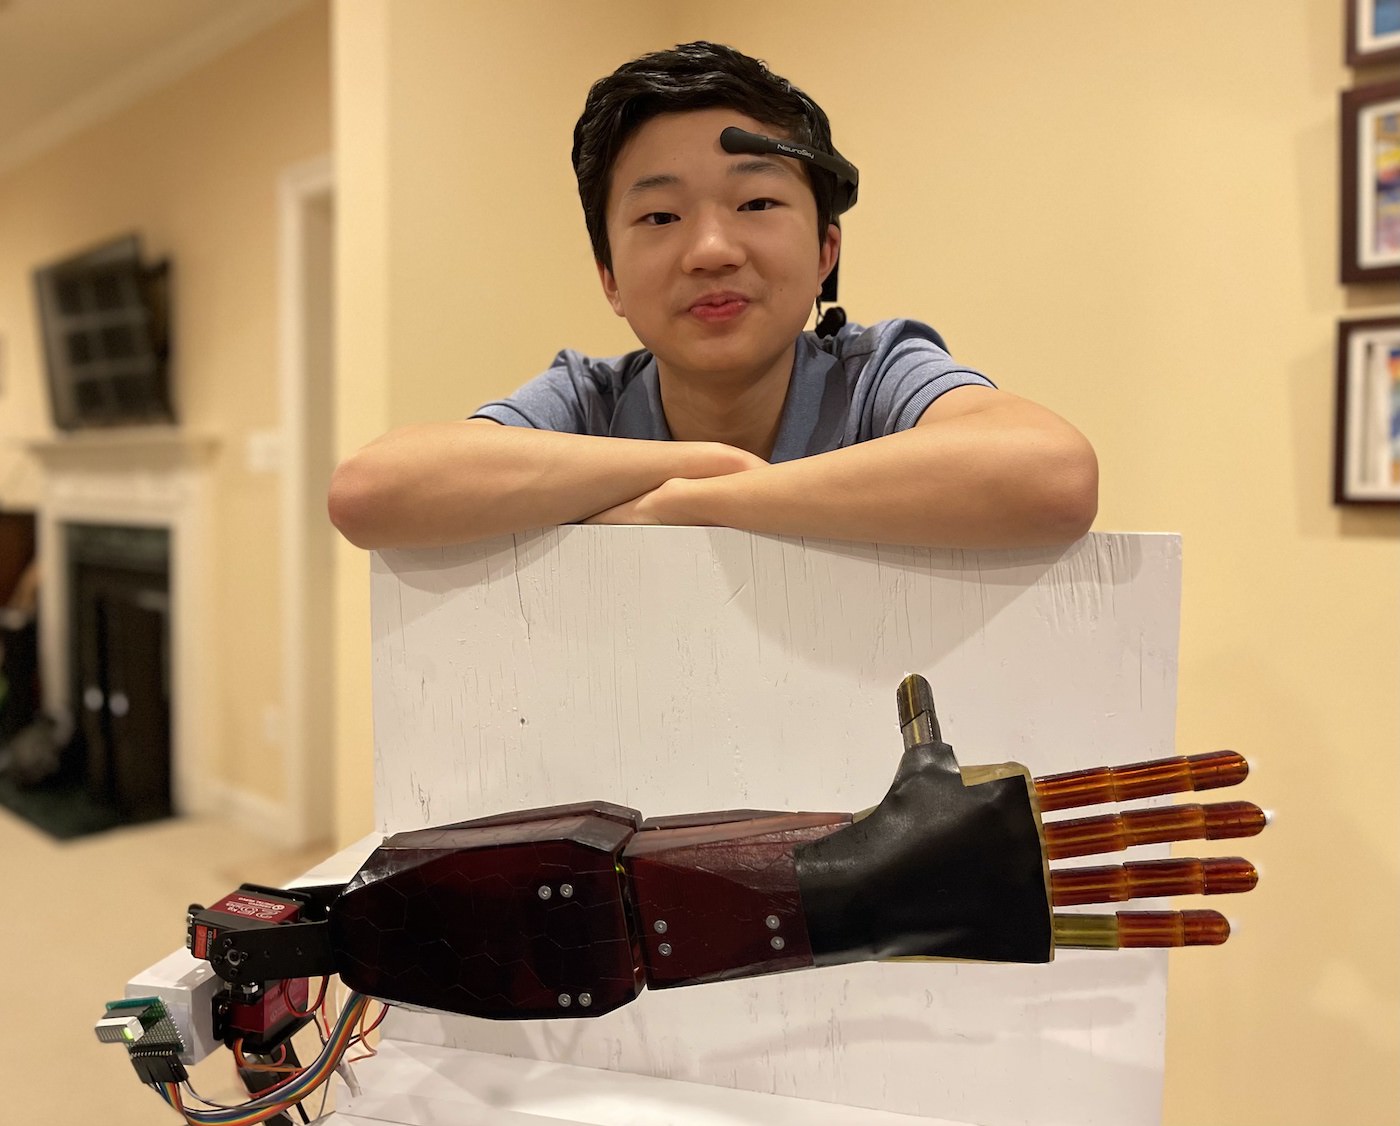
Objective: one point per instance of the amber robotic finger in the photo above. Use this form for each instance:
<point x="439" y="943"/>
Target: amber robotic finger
<point x="1112" y="832"/>
<point x="1138" y="929"/>
<point x="1151" y="879"/>
<point x="1141" y="780"/>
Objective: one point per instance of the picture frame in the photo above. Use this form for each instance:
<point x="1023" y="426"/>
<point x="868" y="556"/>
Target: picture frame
<point x="1367" y="463"/>
<point x="1373" y="32"/>
<point x="1370" y="147"/>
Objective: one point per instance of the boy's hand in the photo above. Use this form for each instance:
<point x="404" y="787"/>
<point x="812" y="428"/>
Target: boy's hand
<point x="668" y="503"/>
<point x="659" y="506"/>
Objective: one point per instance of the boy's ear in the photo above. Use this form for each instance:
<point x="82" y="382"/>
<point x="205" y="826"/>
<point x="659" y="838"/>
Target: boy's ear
<point x="830" y="252"/>
<point x="605" y="276"/>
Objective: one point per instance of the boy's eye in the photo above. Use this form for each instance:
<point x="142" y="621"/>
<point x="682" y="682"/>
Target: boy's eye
<point x="659" y="218"/>
<point x="759" y="205"/>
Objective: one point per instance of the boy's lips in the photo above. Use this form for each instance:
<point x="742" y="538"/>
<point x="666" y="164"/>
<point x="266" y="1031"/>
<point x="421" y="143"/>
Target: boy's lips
<point x="720" y="306"/>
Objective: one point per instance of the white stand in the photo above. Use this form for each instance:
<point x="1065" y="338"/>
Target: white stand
<point x="685" y="669"/>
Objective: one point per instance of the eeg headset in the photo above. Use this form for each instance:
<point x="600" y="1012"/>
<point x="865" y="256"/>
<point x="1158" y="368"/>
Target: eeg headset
<point x="736" y="140"/>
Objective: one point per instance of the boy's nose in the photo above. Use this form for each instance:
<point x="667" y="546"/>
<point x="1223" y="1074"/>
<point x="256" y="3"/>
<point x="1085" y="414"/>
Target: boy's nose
<point x="713" y="245"/>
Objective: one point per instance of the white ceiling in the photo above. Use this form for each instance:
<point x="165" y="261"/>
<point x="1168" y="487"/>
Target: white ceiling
<point x="66" y="64"/>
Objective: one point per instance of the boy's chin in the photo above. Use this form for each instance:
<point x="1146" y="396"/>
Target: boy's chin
<point x="741" y="354"/>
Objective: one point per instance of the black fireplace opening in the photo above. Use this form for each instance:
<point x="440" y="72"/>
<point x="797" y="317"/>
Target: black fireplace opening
<point x="119" y="653"/>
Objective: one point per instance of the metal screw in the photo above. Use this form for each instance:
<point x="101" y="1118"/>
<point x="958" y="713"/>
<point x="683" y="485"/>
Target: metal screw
<point x="659" y="926"/>
<point x="566" y="890"/>
<point x="564" y="1000"/>
<point x="665" y="949"/>
<point x="776" y="942"/>
<point x="585" y="999"/>
<point x="234" y="957"/>
<point x="772" y="922"/>
<point x="545" y="893"/>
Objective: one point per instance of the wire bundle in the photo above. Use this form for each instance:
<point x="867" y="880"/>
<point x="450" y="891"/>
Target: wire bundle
<point x="280" y="1098"/>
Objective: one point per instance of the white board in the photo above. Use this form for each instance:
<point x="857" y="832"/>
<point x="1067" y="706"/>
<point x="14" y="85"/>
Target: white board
<point x="683" y="669"/>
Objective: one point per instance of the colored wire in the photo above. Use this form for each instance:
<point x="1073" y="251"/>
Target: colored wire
<point x="210" y="1103"/>
<point x="320" y="998"/>
<point x="384" y="1012"/>
<point x="244" y="1065"/>
<point x="171" y="1091"/>
<point x="363" y="1038"/>
<point x="284" y="1095"/>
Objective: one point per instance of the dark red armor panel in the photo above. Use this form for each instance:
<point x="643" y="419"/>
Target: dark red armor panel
<point x="718" y="899"/>
<point x="716" y="817"/>
<point x="512" y="917"/>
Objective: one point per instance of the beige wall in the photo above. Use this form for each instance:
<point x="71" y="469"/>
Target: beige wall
<point x="1127" y="212"/>
<point x="465" y="264"/>
<point x="194" y="168"/>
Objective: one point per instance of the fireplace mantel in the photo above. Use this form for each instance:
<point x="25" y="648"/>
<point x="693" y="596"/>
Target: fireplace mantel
<point x="123" y="456"/>
<point x="155" y="477"/>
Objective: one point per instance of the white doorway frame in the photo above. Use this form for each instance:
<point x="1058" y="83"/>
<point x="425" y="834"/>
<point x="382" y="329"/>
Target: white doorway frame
<point x="306" y="193"/>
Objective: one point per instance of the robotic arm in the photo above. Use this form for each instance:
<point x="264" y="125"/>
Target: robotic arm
<point x="570" y="911"/>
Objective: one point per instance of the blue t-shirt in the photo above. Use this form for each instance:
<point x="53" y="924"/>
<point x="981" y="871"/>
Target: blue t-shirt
<point x="859" y="384"/>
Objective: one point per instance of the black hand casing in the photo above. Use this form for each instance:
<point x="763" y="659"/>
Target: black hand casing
<point x="946" y="866"/>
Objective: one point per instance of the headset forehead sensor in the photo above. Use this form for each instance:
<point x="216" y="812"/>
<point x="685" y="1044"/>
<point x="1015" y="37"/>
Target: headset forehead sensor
<point x="736" y="140"/>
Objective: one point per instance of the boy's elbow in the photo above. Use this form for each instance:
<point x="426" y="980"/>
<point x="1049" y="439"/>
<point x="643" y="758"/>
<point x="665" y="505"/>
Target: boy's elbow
<point x="1073" y="500"/>
<point x="352" y="504"/>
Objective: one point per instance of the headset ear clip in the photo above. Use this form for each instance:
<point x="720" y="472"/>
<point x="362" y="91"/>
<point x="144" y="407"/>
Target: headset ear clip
<point x="831" y="322"/>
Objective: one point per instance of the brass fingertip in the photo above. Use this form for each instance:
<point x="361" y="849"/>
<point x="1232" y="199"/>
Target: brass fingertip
<point x="917" y="719"/>
<point x="1228" y="875"/>
<point x="915" y="697"/>
<point x="1205" y="928"/>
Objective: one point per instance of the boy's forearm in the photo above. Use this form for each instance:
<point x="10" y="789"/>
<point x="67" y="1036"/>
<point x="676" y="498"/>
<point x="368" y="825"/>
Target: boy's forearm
<point x="973" y="482"/>
<point x="440" y="483"/>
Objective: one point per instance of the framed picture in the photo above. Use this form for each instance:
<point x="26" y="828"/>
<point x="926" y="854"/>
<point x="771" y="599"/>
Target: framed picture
<point x="1371" y="183"/>
<point x="1368" y="412"/>
<point x="1373" y="32"/>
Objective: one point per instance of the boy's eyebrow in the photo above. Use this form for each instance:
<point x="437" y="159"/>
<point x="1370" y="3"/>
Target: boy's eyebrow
<point x="762" y="166"/>
<point x="648" y="183"/>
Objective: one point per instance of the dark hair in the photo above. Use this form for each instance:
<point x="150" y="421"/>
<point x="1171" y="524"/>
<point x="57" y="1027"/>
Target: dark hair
<point x="691" y="76"/>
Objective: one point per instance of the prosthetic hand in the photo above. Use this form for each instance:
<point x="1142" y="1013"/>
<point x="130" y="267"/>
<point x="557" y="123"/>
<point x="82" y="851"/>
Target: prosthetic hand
<point x="571" y="911"/>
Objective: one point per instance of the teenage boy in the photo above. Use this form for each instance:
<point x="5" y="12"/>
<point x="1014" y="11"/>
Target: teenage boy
<point x="730" y="414"/>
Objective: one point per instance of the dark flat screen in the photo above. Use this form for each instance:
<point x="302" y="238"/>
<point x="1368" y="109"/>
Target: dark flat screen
<point x="103" y="318"/>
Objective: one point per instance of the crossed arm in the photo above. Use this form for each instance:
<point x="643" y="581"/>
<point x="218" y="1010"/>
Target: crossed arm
<point x="982" y="468"/>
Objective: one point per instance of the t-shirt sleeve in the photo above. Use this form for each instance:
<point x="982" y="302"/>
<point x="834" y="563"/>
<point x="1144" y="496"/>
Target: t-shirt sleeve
<point x="575" y="396"/>
<point x="899" y="368"/>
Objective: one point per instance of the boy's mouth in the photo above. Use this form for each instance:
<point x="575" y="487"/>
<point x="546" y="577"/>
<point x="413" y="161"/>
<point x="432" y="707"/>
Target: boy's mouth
<point x="715" y="307"/>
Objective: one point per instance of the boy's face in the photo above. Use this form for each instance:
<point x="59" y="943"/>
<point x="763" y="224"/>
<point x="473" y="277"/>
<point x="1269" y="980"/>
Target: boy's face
<point x="715" y="258"/>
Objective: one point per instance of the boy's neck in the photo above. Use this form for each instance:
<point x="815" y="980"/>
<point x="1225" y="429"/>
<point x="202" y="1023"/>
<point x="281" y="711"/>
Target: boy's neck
<point x="743" y="410"/>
